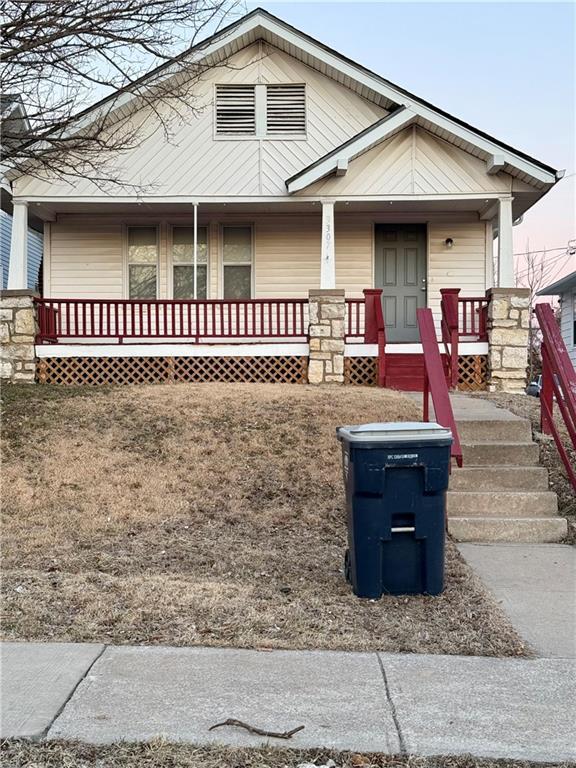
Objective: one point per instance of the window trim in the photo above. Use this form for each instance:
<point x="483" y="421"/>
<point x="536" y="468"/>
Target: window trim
<point x="171" y="263"/>
<point x="260" y="113"/>
<point x="221" y="227"/>
<point x="126" y="259"/>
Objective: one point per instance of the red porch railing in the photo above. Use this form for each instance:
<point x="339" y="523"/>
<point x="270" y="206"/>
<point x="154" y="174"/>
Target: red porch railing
<point x="558" y="383"/>
<point x="365" y="320"/>
<point x="61" y="319"/>
<point x="462" y="318"/>
<point x="435" y="381"/>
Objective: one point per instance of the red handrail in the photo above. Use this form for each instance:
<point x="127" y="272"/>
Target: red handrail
<point x="449" y="330"/>
<point x="375" y="330"/>
<point x="558" y="382"/>
<point x="435" y="381"/>
<point x="157" y="319"/>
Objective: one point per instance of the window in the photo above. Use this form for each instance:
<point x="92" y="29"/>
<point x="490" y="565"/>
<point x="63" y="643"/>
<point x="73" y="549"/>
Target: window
<point x="142" y="262"/>
<point x="237" y="262"/>
<point x="261" y="110"/>
<point x="183" y="262"/>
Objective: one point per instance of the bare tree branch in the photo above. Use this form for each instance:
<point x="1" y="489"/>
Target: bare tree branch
<point x="59" y="57"/>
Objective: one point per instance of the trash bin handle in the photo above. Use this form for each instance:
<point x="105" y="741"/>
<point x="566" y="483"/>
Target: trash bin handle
<point x="404" y="530"/>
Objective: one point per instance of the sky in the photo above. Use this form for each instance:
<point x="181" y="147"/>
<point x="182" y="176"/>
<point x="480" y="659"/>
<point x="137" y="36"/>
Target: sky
<point x="506" y="68"/>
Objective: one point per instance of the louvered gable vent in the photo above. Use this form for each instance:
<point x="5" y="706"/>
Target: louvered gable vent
<point x="285" y="109"/>
<point x="235" y="110"/>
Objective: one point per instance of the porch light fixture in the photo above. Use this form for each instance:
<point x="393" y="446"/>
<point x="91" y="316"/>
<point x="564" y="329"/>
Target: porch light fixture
<point x="449" y="242"/>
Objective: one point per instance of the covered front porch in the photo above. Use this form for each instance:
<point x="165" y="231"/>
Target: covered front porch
<point x="229" y="281"/>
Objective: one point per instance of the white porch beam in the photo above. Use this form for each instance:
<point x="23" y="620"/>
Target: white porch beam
<point x="342" y="166"/>
<point x="495" y="164"/>
<point x="18" y="267"/>
<point x="327" y="255"/>
<point x="506" y="277"/>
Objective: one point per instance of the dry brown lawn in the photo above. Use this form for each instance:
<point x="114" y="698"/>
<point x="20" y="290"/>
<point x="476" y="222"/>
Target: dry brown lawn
<point x="61" y="754"/>
<point x="205" y="514"/>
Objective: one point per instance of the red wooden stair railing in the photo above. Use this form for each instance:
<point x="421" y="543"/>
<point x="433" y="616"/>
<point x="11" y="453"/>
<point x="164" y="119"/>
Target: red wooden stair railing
<point x="558" y="384"/>
<point x="375" y="332"/>
<point x="435" y="381"/>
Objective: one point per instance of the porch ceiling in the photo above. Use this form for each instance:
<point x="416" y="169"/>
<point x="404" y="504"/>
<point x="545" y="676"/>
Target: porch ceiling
<point x="49" y="211"/>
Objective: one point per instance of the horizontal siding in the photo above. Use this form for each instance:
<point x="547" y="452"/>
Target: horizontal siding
<point x="287" y="255"/>
<point x="462" y="266"/>
<point x="86" y="259"/>
<point x="568" y="308"/>
<point x="87" y="256"/>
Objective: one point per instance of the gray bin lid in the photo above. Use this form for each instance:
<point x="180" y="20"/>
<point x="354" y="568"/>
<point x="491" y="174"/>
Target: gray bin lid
<point x="395" y="432"/>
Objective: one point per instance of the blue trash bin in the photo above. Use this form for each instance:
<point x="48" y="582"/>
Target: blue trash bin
<point x="396" y="476"/>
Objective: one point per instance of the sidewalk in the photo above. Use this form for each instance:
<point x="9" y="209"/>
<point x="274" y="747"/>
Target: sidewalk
<point x="391" y="703"/>
<point x="536" y="587"/>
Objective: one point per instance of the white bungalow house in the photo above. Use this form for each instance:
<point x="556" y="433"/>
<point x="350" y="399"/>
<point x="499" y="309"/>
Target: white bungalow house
<point x="565" y="288"/>
<point x="298" y="169"/>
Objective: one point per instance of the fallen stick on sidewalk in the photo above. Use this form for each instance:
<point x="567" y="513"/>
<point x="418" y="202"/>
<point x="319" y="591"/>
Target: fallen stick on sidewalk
<point x="258" y="731"/>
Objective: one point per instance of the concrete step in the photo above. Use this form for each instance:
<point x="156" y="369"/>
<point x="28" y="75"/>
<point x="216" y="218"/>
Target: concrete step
<point x="499" y="479"/>
<point x="495" y="430"/>
<point x="500" y="454"/>
<point x="497" y="504"/>
<point x="535" y="530"/>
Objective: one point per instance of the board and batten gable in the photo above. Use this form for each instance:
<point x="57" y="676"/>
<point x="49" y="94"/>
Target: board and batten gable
<point x="197" y="162"/>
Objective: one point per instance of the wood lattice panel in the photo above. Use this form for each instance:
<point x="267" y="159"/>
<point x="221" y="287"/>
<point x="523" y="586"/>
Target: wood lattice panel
<point x="362" y="371"/>
<point x="287" y="370"/>
<point x="472" y="373"/>
<point x="472" y="376"/>
<point x="156" y="370"/>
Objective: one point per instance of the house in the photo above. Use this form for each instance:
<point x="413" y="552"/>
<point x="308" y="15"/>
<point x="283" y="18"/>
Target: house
<point x="297" y="170"/>
<point x="34" y="259"/>
<point x="565" y="288"/>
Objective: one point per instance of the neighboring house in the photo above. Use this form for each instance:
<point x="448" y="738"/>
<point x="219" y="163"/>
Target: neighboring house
<point x="34" y="252"/>
<point x="15" y="123"/>
<point x="565" y="288"/>
<point x="298" y="169"/>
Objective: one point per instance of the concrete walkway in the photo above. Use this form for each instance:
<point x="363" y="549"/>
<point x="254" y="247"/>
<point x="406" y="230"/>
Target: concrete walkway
<point x="396" y="704"/>
<point x="536" y="586"/>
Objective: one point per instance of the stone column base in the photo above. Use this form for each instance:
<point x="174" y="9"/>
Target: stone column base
<point x="18" y="329"/>
<point x="508" y="337"/>
<point x="327" y="309"/>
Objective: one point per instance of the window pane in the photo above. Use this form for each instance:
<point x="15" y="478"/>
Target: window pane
<point x="237" y="244"/>
<point x="237" y="282"/>
<point x="183" y="244"/>
<point x="184" y="282"/>
<point x="142" y="245"/>
<point x="142" y="281"/>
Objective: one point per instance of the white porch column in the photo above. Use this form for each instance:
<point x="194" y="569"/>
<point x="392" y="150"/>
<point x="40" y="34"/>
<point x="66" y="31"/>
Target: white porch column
<point x="18" y="268"/>
<point x="327" y="256"/>
<point x="506" y="277"/>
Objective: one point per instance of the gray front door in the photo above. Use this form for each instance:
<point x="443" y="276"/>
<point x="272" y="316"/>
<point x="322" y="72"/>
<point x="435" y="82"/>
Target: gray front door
<point x="400" y="270"/>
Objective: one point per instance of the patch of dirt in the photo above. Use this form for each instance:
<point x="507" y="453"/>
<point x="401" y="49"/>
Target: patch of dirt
<point x="55" y="754"/>
<point x="206" y="514"/>
<point x="529" y="408"/>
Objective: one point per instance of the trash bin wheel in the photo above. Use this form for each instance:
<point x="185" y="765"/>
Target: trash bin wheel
<point x="347" y="566"/>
